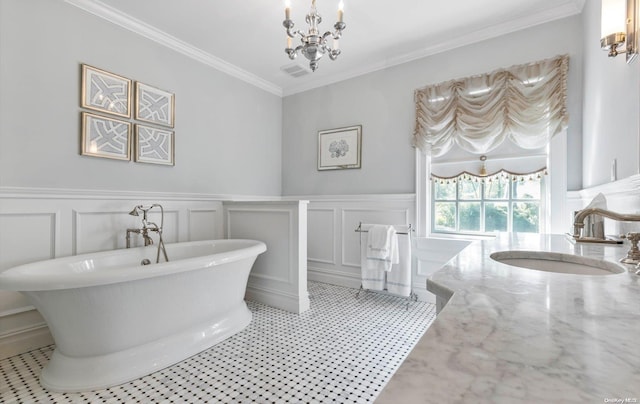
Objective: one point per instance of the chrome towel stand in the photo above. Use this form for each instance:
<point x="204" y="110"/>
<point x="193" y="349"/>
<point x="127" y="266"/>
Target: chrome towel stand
<point x="413" y="297"/>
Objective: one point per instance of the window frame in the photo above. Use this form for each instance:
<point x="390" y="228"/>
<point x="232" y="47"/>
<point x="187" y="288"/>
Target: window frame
<point x="555" y="219"/>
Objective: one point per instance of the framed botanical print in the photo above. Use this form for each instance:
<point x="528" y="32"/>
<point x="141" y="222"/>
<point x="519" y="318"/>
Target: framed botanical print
<point x="339" y="148"/>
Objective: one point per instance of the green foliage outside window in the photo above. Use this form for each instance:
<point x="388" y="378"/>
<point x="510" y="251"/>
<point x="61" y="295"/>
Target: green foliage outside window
<point x="495" y="205"/>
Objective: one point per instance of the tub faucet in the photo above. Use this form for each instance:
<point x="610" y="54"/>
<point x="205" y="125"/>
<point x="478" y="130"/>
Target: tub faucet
<point x="148" y="227"/>
<point x="633" y="255"/>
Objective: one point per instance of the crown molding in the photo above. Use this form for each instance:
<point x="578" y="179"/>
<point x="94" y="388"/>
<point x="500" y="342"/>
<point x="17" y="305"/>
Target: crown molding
<point x="141" y="28"/>
<point x="565" y="10"/>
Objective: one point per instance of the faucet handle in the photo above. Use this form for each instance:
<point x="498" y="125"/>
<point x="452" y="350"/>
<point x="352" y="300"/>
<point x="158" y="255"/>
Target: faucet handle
<point x="633" y="255"/>
<point x="632" y="237"/>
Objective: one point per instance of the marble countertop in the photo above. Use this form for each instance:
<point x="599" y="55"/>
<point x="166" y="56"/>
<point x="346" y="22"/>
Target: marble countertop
<point x="514" y="335"/>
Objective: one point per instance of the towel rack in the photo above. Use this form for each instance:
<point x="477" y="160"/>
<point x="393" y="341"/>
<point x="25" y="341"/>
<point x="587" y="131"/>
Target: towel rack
<point x="359" y="229"/>
<point x="413" y="297"/>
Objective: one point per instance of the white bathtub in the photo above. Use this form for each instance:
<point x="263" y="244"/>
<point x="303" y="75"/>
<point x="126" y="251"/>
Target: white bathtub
<point x="114" y="320"/>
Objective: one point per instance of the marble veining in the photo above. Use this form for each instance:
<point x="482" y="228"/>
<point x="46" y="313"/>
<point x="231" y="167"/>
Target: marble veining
<point x="516" y="335"/>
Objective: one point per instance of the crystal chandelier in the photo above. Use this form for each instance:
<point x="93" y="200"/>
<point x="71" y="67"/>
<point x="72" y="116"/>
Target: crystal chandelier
<point x="313" y="45"/>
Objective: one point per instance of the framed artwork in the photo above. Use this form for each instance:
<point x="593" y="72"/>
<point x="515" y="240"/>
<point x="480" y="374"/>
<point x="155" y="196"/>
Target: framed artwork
<point x="105" y="137"/>
<point x="154" y="105"/>
<point x="339" y="148"/>
<point x="105" y="92"/>
<point x="154" y="145"/>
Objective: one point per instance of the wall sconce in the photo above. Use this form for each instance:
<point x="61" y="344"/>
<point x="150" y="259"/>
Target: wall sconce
<point x="618" y="28"/>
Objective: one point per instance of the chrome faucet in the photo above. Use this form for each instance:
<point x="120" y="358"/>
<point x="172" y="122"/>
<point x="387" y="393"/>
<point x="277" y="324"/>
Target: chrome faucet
<point x="633" y="255"/>
<point x="147" y="227"/>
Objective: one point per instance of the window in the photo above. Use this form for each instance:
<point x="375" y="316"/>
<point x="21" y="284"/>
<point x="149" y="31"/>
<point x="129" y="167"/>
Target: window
<point x="500" y="203"/>
<point x="521" y="106"/>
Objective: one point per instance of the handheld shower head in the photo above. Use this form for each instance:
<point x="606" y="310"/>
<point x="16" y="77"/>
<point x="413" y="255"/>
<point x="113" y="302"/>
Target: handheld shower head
<point x="140" y="208"/>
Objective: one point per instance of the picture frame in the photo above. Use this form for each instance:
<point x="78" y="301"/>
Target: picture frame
<point x="154" y="105"/>
<point x="154" y="145"/>
<point x="340" y="148"/>
<point x="105" y="137"/>
<point x="105" y="92"/>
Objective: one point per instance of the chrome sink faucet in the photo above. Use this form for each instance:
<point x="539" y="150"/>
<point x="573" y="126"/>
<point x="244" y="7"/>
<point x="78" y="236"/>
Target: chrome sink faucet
<point x="633" y="255"/>
<point x="147" y="227"/>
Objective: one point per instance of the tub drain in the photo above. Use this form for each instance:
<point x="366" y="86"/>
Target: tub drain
<point x="145" y="262"/>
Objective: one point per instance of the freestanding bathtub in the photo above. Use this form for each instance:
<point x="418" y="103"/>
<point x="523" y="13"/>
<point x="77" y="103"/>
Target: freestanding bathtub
<point x="114" y="320"/>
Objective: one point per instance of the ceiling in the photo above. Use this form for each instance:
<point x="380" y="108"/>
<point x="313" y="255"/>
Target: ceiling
<point x="246" y="39"/>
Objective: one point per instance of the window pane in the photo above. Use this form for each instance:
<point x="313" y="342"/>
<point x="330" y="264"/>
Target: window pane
<point x="444" y="191"/>
<point x="445" y="216"/>
<point x="469" y="189"/>
<point x="526" y="217"/>
<point x="496" y="216"/>
<point x="527" y="189"/>
<point x="469" y="216"/>
<point x="498" y="188"/>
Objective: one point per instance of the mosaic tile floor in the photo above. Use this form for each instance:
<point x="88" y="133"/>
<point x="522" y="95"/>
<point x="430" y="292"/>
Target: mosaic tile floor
<point x="343" y="350"/>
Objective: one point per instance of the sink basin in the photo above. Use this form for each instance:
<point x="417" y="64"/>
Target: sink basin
<point x="558" y="262"/>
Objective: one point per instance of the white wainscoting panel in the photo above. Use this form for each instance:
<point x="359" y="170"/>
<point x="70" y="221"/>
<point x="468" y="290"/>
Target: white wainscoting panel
<point x="322" y="225"/>
<point x="87" y="238"/>
<point x="40" y="243"/>
<point x="39" y="224"/>
<point x="279" y="276"/>
<point x="27" y="233"/>
<point x="334" y="245"/>
<point x="205" y="224"/>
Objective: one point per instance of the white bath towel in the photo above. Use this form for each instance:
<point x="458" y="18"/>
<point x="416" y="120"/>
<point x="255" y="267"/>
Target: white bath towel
<point x="399" y="278"/>
<point x="382" y="247"/>
<point x="373" y="279"/>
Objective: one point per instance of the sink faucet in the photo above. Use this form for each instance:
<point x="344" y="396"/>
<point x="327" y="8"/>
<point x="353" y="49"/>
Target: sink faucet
<point x="633" y="255"/>
<point x="147" y="227"/>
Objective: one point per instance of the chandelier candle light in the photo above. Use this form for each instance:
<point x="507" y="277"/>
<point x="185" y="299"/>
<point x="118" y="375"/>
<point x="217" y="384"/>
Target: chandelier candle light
<point x="313" y="45"/>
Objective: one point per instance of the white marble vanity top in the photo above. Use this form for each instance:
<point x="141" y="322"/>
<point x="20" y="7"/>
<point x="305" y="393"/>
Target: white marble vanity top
<point x="515" y="335"/>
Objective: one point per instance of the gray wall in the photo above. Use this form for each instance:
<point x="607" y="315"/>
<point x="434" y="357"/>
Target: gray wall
<point x="611" y="107"/>
<point x="228" y="133"/>
<point x="232" y="138"/>
<point x="382" y="102"/>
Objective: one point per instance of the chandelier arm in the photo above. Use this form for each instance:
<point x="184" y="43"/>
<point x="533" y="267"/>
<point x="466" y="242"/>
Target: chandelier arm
<point x="293" y="53"/>
<point x="334" y="53"/>
<point x="327" y="35"/>
<point x="337" y="34"/>
<point x="292" y="34"/>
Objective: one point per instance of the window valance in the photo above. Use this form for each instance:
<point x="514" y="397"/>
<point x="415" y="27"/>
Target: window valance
<point x="525" y="104"/>
<point x="496" y="176"/>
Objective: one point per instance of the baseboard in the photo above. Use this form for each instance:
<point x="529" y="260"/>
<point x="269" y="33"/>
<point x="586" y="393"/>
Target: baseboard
<point x="278" y="299"/>
<point x="332" y="277"/>
<point x="351" y="281"/>
<point x="25" y="340"/>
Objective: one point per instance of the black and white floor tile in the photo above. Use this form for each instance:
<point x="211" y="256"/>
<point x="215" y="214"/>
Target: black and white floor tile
<point x="343" y="350"/>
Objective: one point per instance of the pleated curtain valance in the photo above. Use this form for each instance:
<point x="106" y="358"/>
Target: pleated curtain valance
<point x="525" y="104"/>
<point x="496" y="176"/>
